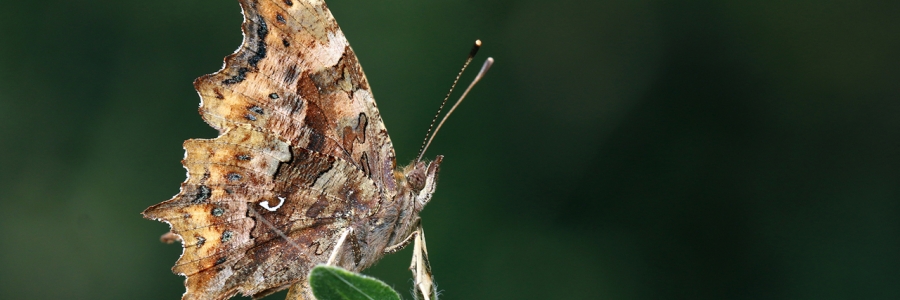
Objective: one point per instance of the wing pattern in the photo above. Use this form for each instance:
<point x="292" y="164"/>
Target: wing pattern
<point x="298" y="126"/>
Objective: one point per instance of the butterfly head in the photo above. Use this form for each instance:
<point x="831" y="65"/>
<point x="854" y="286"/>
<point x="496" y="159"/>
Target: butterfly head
<point x="421" y="179"/>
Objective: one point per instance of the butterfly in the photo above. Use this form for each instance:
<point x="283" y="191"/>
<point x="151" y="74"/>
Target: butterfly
<point x="303" y="171"/>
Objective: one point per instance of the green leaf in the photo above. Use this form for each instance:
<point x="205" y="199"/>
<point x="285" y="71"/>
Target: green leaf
<point x="334" y="283"/>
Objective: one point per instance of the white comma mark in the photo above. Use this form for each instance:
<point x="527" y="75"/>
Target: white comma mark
<point x="265" y="204"/>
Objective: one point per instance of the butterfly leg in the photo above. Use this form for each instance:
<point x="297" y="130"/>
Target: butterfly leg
<point x="402" y="244"/>
<point x="399" y="246"/>
<point x="421" y="268"/>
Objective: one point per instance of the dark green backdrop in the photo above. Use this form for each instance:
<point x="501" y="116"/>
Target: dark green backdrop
<point x="617" y="150"/>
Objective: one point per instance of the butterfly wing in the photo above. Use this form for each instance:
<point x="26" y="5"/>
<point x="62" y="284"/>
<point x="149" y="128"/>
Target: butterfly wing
<point x="299" y="130"/>
<point x="297" y="77"/>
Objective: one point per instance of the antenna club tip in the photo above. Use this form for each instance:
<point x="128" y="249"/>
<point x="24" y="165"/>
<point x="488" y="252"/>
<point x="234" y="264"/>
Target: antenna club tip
<point x="475" y="48"/>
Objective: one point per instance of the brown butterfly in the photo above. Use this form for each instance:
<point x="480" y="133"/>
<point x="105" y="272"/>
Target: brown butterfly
<point x="302" y="165"/>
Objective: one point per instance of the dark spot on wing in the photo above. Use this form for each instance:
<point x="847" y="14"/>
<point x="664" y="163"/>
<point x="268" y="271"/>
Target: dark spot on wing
<point x="202" y="194"/>
<point x="318" y="123"/>
<point x="316" y="208"/>
<point x="244" y="157"/>
<point x="257" y="109"/>
<point x="233" y="176"/>
<point x="221" y="260"/>
<point x="261" y="32"/>
<point x="316" y="142"/>
<point x="297" y="106"/>
<point x="250" y="117"/>
<point x="285" y="43"/>
<point x="273" y="96"/>
<point x="361" y="123"/>
<point x="226" y="236"/>
<point x="364" y="164"/>
<point x="290" y="75"/>
<point x="280" y="18"/>
<point x="218" y="212"/>
<point x="200" y="241"/>
<point x="241" y="75"/>
<point x="355" y="133"/>
<point x="288" y="2"/>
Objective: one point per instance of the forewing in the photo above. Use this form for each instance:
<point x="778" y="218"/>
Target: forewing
<point x="297" y="77"/>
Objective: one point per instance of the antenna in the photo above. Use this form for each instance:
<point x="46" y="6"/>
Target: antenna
<point x="484" y="68"/>
<point x="429" y="136"/>
<point x="433" y="120"/>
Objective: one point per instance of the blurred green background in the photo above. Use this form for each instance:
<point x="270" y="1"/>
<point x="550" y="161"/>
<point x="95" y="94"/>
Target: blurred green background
<point x="617" y="150"/>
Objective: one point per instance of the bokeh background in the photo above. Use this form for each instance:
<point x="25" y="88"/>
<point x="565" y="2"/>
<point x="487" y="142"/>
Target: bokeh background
<point x="640" y="149"/>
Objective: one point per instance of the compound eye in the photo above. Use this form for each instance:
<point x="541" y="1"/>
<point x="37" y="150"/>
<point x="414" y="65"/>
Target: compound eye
<point x="416" y="179"/>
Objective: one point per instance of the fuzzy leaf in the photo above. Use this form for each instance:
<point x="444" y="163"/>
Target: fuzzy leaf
<point x="334" y="283"/>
